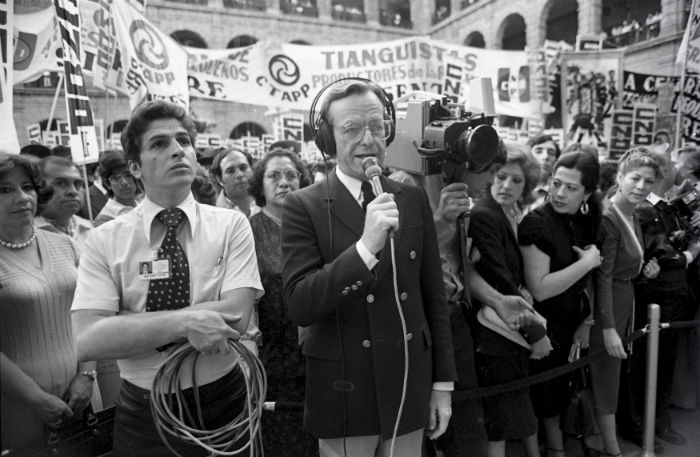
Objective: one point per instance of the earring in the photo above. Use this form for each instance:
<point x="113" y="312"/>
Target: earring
<point x="584" y="208"/>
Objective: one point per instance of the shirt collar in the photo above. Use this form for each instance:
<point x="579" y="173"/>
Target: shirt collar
<point x="150" y="210"/>
<point x="353" y="185"/>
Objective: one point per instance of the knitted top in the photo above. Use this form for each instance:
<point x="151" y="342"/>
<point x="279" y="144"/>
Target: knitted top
<point x="35" y="325"/>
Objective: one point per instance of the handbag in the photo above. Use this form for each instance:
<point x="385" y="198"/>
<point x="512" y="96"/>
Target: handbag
<point x="89" y="436"/>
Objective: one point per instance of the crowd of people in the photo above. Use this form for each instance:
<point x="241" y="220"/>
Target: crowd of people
<point x="378" y="308"/>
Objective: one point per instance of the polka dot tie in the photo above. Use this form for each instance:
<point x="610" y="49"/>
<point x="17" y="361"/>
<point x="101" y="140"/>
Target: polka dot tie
<point x="173" y="292"/>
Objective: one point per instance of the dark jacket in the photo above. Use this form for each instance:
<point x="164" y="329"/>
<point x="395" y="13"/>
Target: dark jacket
<point x="353" y="347"/>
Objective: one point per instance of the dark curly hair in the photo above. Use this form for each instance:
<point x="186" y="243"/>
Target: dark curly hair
<point x="9" y="162"/>
<point x="256" y="189"/>
<point x="142" y="117"/>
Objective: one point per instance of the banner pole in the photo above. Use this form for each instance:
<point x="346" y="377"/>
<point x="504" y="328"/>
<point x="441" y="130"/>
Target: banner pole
<point x="684" y="66"/>
<point x="650" y="394"/>
<point x="55" y="99"/>
<point x="87" y="193"/>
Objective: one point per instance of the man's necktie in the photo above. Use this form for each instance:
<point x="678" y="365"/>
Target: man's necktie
<point x="367" y="195"/>
<point x="174" y="292"/>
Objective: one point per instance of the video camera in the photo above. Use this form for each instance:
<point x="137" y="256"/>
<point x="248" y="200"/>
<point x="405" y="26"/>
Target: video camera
<point x="435" y="136"/>
<point x="685" y="205"/>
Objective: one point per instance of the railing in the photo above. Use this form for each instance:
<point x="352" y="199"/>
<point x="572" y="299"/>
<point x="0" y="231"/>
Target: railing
<point x="348" y="15"/>
<point x="629" y="37"/>
<point x="299" y="9"/>
<point x="191" y="2"/>
<point x="393" y="19"/>
<point x="255" y="5"/>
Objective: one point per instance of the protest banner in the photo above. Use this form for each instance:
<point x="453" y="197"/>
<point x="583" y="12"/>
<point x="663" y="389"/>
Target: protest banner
<point x="208" y="140"/>
<point x="590" y="88"/>
<point x="292" y="127"/>
<point x="155" y="65"/>
<point x="8" y="133"/>
<point x="34" y="133"/>
<point x="83" y="138"/>
<point x="589" y="43"/>
<point x="689" y="49"/>
<point x="620" y="132"/>
<point x="644" y="117"/>
<point x="63" y="133"/>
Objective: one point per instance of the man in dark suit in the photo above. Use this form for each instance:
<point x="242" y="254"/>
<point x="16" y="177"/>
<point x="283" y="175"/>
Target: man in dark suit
<point x="337" y="272"/>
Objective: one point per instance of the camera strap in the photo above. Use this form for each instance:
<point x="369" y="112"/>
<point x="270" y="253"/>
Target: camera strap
<point x="465" y="245"/>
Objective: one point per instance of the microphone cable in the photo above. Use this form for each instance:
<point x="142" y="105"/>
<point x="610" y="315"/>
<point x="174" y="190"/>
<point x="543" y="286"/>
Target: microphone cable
<point x="172" y="415"/>
<point x="404" y="330"/>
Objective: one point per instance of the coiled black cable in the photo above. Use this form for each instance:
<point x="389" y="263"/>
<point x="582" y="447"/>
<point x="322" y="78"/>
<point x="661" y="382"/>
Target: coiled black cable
<point x="172" y="415"/>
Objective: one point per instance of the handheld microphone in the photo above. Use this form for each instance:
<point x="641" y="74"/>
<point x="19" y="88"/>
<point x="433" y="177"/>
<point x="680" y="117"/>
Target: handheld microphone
<point x="373" y="171"/>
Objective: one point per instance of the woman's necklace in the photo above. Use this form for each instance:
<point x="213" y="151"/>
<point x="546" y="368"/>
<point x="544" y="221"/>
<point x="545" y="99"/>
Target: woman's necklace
<point x="22" y="245"/>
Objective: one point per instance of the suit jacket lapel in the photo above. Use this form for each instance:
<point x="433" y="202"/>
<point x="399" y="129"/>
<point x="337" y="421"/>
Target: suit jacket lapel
<point x="344" y="206"/>
<point x="384" y="264"/>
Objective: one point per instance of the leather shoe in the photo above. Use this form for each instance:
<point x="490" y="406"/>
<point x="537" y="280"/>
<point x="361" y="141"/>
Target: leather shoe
<point x="670" y="435"/>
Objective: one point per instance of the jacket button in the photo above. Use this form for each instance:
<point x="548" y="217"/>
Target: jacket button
<point x="353" y="287"/>
<point x="359" y="283"/>
<point x="403" y="296"/>
<point x="366" y="343"/>
<point x="412" y="255"/>
<point x="370" y="298"/>
<point x="409" y="336"/>
<point x="345" y="292"/>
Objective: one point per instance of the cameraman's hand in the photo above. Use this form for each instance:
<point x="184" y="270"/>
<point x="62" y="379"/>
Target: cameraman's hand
<point x="454" y="201"/>
<point x="695" y="220"/>
<point x="382" y="216"/>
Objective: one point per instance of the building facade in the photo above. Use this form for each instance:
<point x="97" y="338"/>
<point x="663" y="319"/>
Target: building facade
<point x="650" y="31"/>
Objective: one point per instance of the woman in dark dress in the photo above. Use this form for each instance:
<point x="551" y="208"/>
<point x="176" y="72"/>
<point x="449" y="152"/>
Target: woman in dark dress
<point x="278" y="173"/>
<point x="499" y="358"/>
<point x="557" y="241"/>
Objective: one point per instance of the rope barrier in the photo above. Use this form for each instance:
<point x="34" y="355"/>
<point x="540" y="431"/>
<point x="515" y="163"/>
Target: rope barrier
<point x="461" y="395"/>
<point x="173" y="417"/>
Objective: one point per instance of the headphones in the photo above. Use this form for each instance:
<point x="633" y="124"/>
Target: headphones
<point x="323" y="131"/>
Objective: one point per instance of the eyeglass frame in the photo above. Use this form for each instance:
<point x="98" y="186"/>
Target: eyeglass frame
<point x="387" y="123"/>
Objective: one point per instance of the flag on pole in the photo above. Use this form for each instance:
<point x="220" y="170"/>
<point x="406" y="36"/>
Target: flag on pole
<point x="689" y="49"/>
<point x="83" y="139"/>
<point x="155" y="65"/>
<point x="8" y="133"/>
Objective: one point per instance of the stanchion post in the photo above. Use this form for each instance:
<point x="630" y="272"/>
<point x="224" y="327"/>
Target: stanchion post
<point x="652" y="368"/>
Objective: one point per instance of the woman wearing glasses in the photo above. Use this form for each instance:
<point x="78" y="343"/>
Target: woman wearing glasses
<point x="277" y="174"/>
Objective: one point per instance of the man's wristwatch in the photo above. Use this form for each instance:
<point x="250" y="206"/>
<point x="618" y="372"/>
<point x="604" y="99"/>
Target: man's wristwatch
<point x="92" y="374"/>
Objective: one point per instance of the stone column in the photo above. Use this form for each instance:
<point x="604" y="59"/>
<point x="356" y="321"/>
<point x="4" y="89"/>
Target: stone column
<point x="421" y="14"/>
<point x="372" y="12"/>
<point x="455" y="7"/>
<point x="324" y="9"/>
<point x="272" y="7"/>
<point x="672" y="17"/>
<point x="590" y="20"/>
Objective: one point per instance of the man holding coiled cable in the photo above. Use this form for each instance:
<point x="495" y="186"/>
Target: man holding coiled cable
<point x="199" y="288"/>
<point x="351" y="260"/>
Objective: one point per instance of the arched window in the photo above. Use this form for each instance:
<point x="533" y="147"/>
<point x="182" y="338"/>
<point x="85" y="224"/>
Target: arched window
<point x="513" y="34"/>
<point x="475" y="40"/>
<point x="561" y="20"/>
<point x="241" y="41"/>
<point x="395" y="13"/>
<point x="189" y="38"/>
<point x="246" y="129"/>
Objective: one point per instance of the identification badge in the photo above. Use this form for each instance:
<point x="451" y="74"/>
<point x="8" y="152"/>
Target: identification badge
<point x="154" y="269"/>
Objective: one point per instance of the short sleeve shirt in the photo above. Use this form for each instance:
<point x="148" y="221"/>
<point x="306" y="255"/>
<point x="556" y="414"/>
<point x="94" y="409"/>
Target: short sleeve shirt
<point x="221" y="253"/>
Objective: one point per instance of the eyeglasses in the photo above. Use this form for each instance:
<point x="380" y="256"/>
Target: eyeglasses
<point x="276" y="175"/>
<point x="379" y="130"/>
<point x="114" y="179"/>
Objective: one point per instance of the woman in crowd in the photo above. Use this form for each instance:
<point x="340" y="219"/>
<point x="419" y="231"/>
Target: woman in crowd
<point x="277" y="174"/>
<point x="499" y="358"/>
<point x="621" y="248"/>
<point x="42" y="382"/>
<point x="557" y="241"/>
<point x="121" y="186"/>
